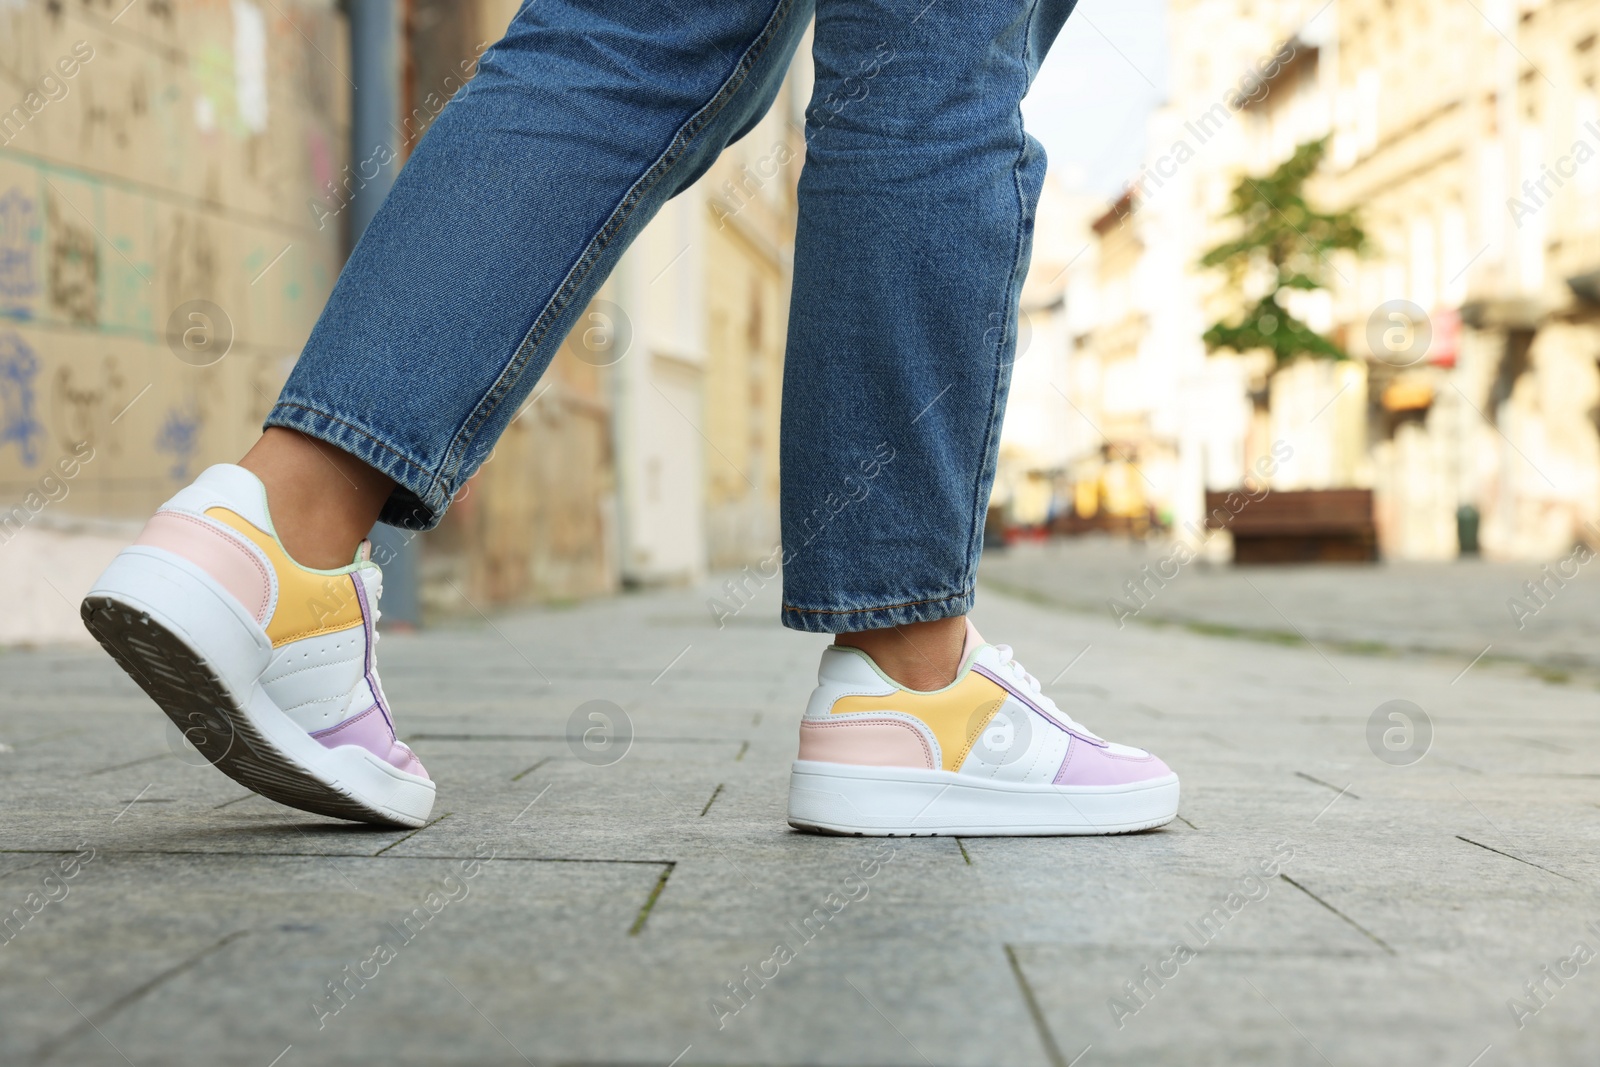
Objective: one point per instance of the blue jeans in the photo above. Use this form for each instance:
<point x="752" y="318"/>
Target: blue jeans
<point x="916" y="209"/>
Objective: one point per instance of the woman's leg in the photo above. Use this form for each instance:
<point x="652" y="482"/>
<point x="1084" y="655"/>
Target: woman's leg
<point x="578" y="126"/>
<point x="916" y="213"/>
<point x="916" y="217"/>
<point x="245" y="609"/>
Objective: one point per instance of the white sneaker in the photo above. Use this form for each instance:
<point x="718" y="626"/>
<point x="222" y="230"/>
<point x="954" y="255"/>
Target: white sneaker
<point x="268" y="667"/>
<point x="988" y="755"/>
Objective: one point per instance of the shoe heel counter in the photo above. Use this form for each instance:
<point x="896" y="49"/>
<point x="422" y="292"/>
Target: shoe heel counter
<point x="225" y="485"/>
<point x="222" y="554"/>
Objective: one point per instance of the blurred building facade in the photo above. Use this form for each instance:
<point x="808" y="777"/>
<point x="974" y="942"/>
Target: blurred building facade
<point x="195" y="158"/>
<point x="1467" y="136"/>
<point x="159" y="269"/>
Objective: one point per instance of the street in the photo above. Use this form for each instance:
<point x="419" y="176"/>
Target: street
<point x="1351" y="881"/>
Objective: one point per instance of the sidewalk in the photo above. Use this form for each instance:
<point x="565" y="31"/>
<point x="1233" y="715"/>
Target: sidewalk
<point x="612" y="909"/>
<point x="1545" y="618"/>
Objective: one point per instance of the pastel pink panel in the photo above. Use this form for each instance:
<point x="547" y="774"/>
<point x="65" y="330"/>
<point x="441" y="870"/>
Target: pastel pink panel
<point x="866" y="742"/>
<point x="233" y="564"/>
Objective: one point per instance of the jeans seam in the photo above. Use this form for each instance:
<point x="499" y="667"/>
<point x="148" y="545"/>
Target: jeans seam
<point x="879" y="607"/>
<point x="455" y="456"/>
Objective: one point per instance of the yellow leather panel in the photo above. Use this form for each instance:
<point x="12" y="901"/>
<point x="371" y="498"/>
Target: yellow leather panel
<point x="956" y="716"/>
<point x="308" y="603"/>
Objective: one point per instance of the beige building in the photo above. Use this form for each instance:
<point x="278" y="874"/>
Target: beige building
<point x="705" y="293"/>
<point x="159" y="270"/>
<point x="1465" y="135"/>
<point x="172" y="213"/>
<point x="1466" y="161"/>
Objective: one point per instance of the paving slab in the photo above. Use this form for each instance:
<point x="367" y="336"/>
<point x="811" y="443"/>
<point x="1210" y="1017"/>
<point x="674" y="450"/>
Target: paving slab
<point x="1344" y="902"/>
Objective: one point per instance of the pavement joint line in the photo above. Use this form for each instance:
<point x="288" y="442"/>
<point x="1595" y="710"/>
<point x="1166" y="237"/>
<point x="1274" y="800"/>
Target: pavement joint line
<point x="50" y="1047"/>
<point x="1374" y="938"/>
<point x="1519" y="859"/>
<point x="1192" y="826"/>
<point x="1052" y="1051"/>
<point x="130" y="763"/>
<point x="1286" y="1019"/>
<point x="744" y="746"/>
<point x="1329" y="785"/>
<point x="964" y="854"/>
<point x="1481" y="814"/>
<point x="235" y="800"/>
<point x="720" y="850"/>
<point x="337" y="869"/>
<point x="520" y="775"/>
<point x="715" y="793"/>
<point x="650" y="901"/>
<point x="890" y="1021"/>
<point x="29" y="866"/>
<point x="413" y="833"/>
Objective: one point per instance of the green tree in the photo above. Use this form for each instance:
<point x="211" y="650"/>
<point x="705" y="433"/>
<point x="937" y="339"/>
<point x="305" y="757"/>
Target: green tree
<point x="1283" y="236"/>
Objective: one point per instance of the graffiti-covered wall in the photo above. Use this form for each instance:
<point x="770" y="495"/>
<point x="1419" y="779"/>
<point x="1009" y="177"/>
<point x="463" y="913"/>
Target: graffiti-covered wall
<point x="164" y="168"/>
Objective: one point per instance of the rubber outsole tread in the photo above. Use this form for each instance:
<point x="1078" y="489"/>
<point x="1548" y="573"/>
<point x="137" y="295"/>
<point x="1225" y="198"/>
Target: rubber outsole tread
<point x="196" y="700"/>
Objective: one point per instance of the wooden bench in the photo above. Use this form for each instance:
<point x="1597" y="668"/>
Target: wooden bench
<point x="1300" y="526"/>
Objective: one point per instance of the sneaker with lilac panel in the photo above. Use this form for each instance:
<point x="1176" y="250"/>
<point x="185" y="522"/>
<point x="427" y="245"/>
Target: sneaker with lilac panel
<point x="987" y="755"/>
<point x="267" y="667"/>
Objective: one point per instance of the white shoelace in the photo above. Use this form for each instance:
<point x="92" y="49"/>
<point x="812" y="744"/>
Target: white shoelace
<point x="1036" y="690"/>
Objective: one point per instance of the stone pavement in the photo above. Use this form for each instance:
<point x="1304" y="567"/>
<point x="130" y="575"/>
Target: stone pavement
<point x="1404" y="905"/>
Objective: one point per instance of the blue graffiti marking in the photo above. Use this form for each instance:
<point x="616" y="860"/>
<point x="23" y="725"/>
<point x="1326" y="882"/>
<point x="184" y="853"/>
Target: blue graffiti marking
<point x="18" y="423"/>
<point x="180" y="438"/>
<point x="19" y="235"/>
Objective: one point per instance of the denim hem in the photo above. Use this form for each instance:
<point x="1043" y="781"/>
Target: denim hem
<point x="418" y="501"/>
<point x="851" y="620"/>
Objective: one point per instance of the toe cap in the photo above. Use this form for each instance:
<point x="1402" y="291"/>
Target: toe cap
<point x="1090" y="764"/>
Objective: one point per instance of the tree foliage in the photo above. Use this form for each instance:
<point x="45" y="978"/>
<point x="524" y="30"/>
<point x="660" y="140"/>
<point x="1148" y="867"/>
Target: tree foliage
<point x="1282" y="236"/>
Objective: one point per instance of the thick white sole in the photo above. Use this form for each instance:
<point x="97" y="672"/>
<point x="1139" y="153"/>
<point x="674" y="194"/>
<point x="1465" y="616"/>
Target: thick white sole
<point x="191" y="647"/>
<point x="839" y="798"/>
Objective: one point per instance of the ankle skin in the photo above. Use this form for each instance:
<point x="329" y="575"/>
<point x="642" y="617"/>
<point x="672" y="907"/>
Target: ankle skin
<point x="922" y="656"/>
<point x="323" y="500"/>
